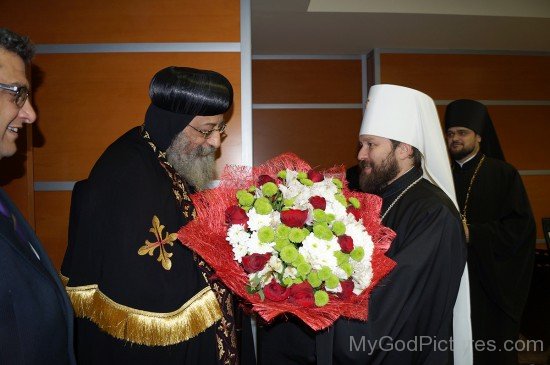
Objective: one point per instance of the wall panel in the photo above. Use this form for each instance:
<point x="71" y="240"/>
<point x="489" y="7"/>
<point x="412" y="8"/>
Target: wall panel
<point x="323" y="137"/>
<point x="124" y="21"/>
<point x="539" y="197"/>
<point x="306" y="81"/>
<point x="472" y="76"/>
<point x="52" y="222"/>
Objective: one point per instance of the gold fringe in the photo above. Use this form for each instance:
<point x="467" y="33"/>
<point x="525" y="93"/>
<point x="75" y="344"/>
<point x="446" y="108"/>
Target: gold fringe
<point x="64" y="279"/>
<point x="142" y="327"/>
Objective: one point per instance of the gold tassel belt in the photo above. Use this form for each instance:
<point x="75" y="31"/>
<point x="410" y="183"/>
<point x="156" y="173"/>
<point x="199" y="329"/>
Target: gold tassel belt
<point x="142" y="327"/>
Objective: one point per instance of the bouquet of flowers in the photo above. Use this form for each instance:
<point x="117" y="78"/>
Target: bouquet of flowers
<point x="289" y="239"/>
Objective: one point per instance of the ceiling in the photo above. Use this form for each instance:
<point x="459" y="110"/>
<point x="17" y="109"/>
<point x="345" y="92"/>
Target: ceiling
<point x="351" y="27"/>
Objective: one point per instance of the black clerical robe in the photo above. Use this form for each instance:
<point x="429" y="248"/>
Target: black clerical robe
<point x="139" y="295"/>
<point x="500" y="251"/>
<point x="411" y="307"/>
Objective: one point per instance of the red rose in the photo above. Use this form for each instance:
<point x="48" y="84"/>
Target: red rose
<point x="262" y="179"/>
<point x="275" y="291"/>
<point x="255" y="262"/>
<point x="347" y="289"/>
<point x="346" y="243"/>
<point x="302" y="294"/>
<point x="294" y="217"/>
<point x="356" y="212"/>
<point x="318" y="202"/>
<point x="315" y="176"/>
<point x="235" y="215"/>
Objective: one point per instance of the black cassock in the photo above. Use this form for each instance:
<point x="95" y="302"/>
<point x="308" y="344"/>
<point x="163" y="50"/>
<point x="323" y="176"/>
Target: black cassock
<point x="410" y="309"/>
<point x="134" y="307"/>
<point x="500" y="252"/>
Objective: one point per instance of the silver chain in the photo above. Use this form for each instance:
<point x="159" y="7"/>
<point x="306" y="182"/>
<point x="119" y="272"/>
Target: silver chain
<point x="399" y="197"/>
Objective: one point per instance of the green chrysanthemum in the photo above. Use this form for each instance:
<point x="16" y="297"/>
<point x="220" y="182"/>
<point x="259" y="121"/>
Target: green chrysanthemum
<point x="266" y="234"/>
<point x="281" y="243"/>
<point x="306" y="182"/>
<point x="297" y="235"/>
<point x="288" y="202"/>
<point x="357" y="254"/>
<point x="282" y="174"/>
<point x="322" y="232"/>
<point x="289" y="254"/>
<point x="341" y="199"/>
<point x="355" y="202"/>
<point x="252" y="189"/>
<point x="341" y="257"/>
<point x="339" y="228"/>
<point x="330" y="217"/>
<point x="282" y="231"/>
<point x="263" y="206"/>
<point x="319" y="215"/>
<point x="332" y="281"/>
<point x="321" y="298"/>
<point x="313" y="279"/>
<point x="346" y="266"/>
<point x="269" y="189"/>
<point x="338" y="183"/>
<point x="301" y="175"/>
<point x="303" y="269"/>
<point x="324" y="273"/>
<point x="245" y="198"/>
<point x="287" y="281"/>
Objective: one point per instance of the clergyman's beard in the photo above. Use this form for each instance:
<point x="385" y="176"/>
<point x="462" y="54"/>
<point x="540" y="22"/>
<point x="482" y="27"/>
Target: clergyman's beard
<point x="379" y="176"/>
<point x="459" y="155"/>
<point x="196" y="164"/>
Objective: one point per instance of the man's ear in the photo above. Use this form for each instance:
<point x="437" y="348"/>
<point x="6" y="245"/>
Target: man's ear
<point x="478" y="138"/>
<point x="404" y="151"/>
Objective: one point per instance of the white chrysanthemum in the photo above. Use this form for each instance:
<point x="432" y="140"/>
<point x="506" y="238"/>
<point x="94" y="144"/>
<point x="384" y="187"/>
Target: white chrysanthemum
<point x="325" y="189"/>
<point x="336" y="208"/>
<point x="275" y="264"/>
<point x="239" y="251"/>
<point x="257" y="221"/>
<point x="362" y="275"/>
<point x="319" y="253"/>
<point x="236" y="234"/>
<point x="361" y="238"/>
<point x="290" y="272"/>
<point x="255" y="246"/>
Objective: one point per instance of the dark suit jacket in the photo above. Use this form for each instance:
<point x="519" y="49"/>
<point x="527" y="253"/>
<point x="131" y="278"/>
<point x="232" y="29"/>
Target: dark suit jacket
<point x="36" y="317"/>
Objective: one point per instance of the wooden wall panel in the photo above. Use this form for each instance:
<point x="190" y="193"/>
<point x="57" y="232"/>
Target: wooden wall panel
<point x="539" y="197"/>
<point x="123" y="21"/>
<point x="52" y="222"/>
<point x="482" y="77"/>
<point x="306" y="81"/>
<point x="323" y="137"/>
<point x="517" y="127"/>
<point x="86" y="101"/>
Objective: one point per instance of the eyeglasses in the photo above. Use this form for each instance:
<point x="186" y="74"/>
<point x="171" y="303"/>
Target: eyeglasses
<point x="206" y="134"/>
<point x="21" y="93"/>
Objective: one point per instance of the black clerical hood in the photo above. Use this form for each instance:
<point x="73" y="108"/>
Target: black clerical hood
<point x="474" y="115"/>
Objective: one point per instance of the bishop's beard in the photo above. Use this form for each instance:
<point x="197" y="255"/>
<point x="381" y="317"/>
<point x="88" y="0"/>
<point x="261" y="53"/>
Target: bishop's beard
<point x="196" y="164"/>
<point x="379" y="176"/>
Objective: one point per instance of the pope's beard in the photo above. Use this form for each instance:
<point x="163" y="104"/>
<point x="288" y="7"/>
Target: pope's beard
<point x="379" y="175"/>
<point x="195" y="164"/>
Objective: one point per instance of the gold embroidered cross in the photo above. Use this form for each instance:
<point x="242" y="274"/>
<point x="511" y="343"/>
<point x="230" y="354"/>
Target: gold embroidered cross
<point x="149" y="247"/>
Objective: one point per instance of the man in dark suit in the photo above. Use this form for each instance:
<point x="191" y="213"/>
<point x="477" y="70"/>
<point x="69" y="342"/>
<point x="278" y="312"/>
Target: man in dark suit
<point x="36" y="325"/>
